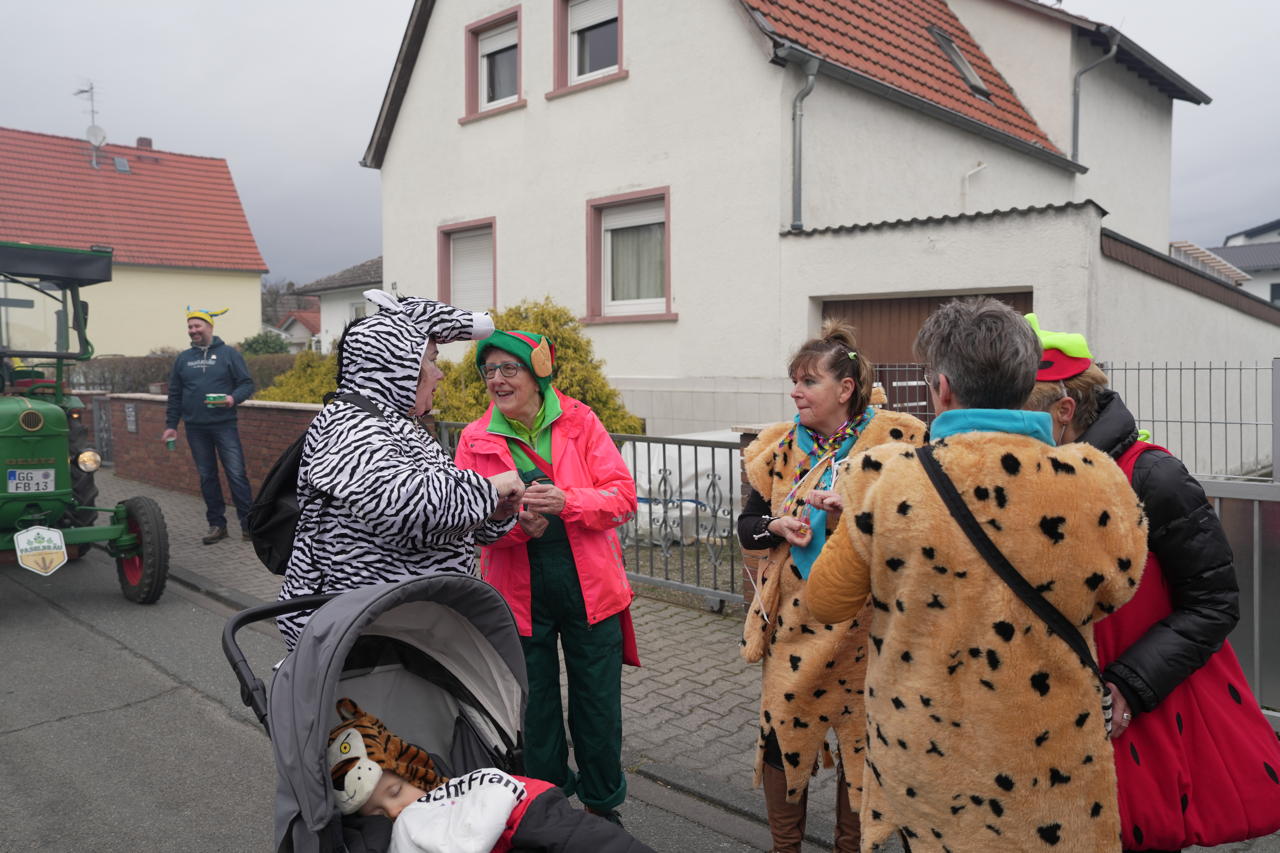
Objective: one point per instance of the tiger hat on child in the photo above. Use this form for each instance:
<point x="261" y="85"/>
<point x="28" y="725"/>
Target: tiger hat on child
<point x="361" y="748"/>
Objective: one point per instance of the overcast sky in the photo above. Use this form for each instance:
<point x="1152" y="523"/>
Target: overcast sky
<point x="287" y="91"/>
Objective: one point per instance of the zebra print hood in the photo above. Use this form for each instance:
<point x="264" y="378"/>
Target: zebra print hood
<point x="382" y="354"/>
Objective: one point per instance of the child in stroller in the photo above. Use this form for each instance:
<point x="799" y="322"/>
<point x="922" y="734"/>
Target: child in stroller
<point x="438" y="657"/>
<point x="376" y="774"/>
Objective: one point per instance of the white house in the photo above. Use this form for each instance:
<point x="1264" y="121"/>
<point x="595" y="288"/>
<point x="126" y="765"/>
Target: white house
<point x="1257" y="251"/>
<point x="341" y="299"/>
<point x="301" y="330"/>
<point x="703" y="182"/>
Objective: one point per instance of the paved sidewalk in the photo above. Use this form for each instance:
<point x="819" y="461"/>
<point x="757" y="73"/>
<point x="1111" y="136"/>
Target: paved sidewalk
<point x="689" y="713"/>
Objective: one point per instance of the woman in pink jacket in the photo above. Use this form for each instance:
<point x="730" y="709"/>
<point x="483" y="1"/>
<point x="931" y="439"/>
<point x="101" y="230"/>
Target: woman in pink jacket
<point x="561" y="567"/>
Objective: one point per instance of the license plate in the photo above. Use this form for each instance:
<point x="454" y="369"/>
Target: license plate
<point x="26" y="480"/>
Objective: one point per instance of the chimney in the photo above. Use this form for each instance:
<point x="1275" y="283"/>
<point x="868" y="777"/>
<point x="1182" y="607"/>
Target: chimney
<point x="144" y="142"/>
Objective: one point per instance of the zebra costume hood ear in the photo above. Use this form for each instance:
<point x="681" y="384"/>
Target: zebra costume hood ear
<point x="442" y="323"/>
<point x="382" y="354"/>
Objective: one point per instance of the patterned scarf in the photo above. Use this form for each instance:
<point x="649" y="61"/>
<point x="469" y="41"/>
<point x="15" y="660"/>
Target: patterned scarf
<point x="822" y="452"/>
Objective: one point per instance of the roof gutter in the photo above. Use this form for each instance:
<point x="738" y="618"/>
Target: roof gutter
<point x="1113" y="40"/>
<point x="797" y="152"/>
<point x="785" y="52"/>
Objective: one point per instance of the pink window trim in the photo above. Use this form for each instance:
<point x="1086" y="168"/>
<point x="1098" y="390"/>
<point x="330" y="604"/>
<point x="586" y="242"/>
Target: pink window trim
<point x="494" y="111"/>
<point x="595" y="255"/>
<point x="560" y="54"/>
<point x="444" y="255"/>
<point x="588" y="84"/>
<point x="471" y="52"/>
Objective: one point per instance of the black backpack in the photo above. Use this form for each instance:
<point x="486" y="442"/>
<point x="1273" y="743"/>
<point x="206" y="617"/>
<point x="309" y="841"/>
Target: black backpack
<point x="273" y="518"/>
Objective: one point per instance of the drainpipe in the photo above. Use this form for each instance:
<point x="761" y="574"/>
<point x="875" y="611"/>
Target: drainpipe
<point x="797" y="123"/>
<point x="1113" y="39"/>
<point x="964" y="185"/>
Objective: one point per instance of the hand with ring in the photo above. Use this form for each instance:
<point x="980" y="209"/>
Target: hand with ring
<point x="1121" y="716"/>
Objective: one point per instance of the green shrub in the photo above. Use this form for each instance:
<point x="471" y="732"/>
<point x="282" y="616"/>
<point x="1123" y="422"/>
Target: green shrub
<point x="265" y="369"/>
<point x="263" y="343"/>
<point x="311" y="377"/>
<point x="461" y="395"/>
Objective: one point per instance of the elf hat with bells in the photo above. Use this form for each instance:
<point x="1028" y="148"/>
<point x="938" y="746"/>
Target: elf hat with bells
<point x="535" y="351"/>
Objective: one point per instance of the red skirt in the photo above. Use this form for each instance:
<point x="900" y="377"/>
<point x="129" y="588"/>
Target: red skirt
<point x="1204" y="766"/>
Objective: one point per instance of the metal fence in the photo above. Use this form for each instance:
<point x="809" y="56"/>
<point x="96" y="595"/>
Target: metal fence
<point x="1219" y="419"/>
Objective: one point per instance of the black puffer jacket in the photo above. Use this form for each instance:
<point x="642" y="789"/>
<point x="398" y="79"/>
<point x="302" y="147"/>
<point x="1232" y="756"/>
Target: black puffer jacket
<point x="1188" y="540"/>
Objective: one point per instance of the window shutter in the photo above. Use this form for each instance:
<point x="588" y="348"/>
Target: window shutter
<point x="588" y="13"/>
<point x="630" y="215"/>
<point x="471" y="269"/>
<point x="497" y="39"/>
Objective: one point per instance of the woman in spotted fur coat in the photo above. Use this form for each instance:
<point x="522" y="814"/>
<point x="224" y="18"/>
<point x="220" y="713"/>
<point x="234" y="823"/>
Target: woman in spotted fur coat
<point x="985" y="731"/>
<point x="812" y="672"/>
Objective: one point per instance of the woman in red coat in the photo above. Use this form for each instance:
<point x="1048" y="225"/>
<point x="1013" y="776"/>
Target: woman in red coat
<point x="1196" y="761"/>
<point x="560" y="569"/>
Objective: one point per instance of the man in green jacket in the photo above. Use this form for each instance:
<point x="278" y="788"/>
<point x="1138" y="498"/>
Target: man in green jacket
<point x="208" y="381"/>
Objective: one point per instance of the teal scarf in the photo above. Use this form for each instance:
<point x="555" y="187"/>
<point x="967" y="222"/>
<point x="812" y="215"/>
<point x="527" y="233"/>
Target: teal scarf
<point x="819" y="452"/>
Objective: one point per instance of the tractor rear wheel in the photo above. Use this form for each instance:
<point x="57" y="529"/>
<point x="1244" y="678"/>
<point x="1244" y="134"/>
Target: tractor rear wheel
<point x="142" y="575"/>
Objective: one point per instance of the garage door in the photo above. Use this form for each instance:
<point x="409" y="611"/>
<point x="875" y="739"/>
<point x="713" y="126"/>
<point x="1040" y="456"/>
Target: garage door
<point x="886" y="330"/>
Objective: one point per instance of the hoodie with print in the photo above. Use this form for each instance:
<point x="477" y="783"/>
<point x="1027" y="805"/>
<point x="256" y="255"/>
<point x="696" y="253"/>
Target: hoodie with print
<point x="215" y="369"/>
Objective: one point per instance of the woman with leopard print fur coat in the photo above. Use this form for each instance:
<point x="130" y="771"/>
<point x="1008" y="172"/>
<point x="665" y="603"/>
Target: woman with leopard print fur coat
<point x="811" y="673"/>
<point x="985" y="730"/>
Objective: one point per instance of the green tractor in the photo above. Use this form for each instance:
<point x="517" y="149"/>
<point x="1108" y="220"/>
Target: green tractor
<point x="48" y="512"/>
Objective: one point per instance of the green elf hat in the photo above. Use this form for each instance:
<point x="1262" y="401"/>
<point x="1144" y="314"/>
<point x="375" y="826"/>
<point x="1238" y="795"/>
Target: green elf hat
<point x="1066" y="354"/>
<point x="536" y="352"/>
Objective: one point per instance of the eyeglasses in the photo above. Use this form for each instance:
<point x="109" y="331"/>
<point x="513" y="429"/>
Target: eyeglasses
<point x="507" y="368"/>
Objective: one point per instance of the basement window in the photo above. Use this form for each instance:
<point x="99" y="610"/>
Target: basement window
<point x="957" y="58"/>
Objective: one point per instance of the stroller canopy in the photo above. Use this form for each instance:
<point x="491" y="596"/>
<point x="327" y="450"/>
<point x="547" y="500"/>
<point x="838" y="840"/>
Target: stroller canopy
<point x="458" y="624"/>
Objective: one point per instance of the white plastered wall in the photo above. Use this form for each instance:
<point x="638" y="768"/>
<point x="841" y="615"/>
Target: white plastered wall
<point x="335" y="312"/>
<point x="1126" y="124"/>
<point x="1260" y="283"/>
<point x="706" y="125"/>
<point x="145" y="308"/>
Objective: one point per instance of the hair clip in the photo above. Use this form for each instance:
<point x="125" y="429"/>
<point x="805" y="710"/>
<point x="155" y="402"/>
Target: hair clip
<point x="853" y="355"/>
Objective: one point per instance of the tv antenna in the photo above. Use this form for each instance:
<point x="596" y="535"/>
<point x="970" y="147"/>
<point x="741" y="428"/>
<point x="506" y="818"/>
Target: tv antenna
<point x="95" y="134"/>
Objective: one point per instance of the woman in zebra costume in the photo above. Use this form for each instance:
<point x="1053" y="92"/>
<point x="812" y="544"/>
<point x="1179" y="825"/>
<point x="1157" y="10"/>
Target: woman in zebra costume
<point x="380" y="500"/>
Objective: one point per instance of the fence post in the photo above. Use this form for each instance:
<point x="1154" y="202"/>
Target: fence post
<point x="1275" y="416"/>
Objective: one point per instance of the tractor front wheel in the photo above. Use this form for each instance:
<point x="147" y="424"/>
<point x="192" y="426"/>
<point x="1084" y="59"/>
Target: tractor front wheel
<point x="142" y="575"/>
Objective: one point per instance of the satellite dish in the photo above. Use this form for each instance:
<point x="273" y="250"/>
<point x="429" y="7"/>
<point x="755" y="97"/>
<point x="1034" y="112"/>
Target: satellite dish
<point x="95" y="135"/>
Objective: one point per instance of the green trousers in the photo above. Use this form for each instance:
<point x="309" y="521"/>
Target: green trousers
<point x="593" y="661"/>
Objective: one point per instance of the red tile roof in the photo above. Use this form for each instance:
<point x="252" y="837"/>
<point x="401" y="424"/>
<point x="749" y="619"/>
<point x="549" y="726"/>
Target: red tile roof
<point x="174" y="210"/>
<point x="310" y="320"/>
<point x="887" y="41"/>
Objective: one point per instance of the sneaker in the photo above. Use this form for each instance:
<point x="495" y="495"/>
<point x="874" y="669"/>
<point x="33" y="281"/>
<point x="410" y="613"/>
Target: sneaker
<point x="610" y="815"/>
<point x="215" y="534"/>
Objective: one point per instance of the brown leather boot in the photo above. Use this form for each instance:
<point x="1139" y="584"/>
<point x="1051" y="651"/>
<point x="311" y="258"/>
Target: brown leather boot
<point x="786" y="820"/>
<point x="848" y="824"/>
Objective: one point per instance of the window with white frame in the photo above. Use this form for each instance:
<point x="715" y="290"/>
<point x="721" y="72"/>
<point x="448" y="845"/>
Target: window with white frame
<point x="358" y="309"/>
<point x="633" y="258"/>
<point x="499" y="70"/>
<point x="593" y="39"/>
<point x="471" y="269"/>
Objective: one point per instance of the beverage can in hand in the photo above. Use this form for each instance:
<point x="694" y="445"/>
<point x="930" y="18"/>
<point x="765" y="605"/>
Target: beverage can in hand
<point x="215" y="399"/>
<point x="171" y="444"/>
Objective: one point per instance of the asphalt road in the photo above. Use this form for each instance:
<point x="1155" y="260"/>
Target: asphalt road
<point x="121" y="728"/>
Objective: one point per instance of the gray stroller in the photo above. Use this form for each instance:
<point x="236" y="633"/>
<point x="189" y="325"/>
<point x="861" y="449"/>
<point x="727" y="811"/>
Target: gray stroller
<point x="437" y="657"/>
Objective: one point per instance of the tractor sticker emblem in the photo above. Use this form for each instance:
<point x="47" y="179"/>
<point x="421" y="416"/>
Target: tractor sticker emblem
<point x="40" y="549"/>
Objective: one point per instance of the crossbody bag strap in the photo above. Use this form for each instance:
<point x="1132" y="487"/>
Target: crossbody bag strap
<point x="1058" y="624"/>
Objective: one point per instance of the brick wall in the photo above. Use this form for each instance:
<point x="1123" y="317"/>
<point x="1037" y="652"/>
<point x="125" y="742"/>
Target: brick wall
<point x="266" y="430"/>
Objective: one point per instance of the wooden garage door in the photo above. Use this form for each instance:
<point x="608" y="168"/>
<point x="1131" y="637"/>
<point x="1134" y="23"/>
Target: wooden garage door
<point x="886" y="330"/>
<point x="887" y="327"/>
